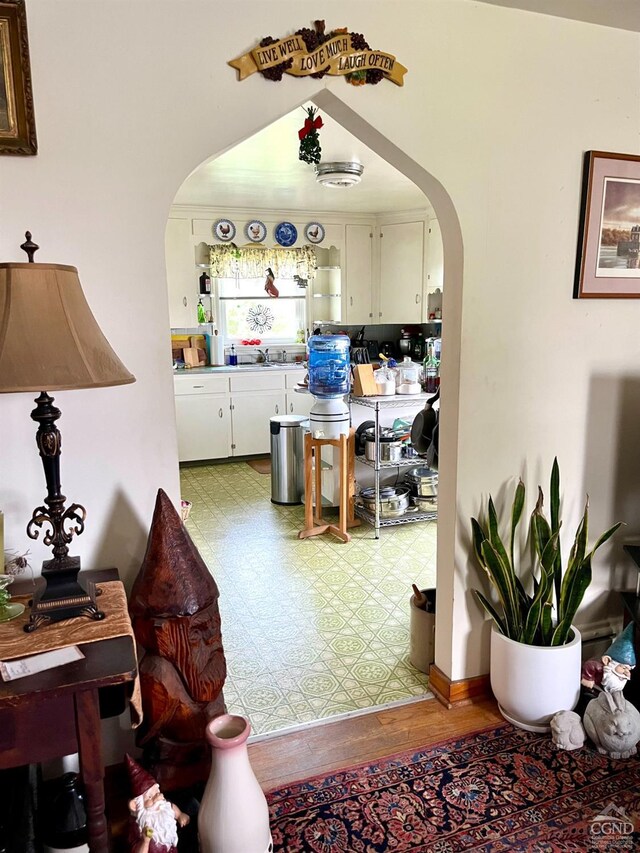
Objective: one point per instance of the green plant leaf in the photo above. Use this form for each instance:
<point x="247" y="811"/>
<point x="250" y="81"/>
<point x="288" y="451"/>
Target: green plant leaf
<point x="546" y="623"/>
<point x="573" y="598"/>
<point x="479" y="537"/>
<point x="516" y="513"/>
<point x="554" y="506"/>
<point x="501" y="576"/>
<point x="540" y="530"/>
<point x="494" y="534"/>
<point x="606" y="535"/>
<point x="543" y="592"/>
<point x="576" y="559"/>
<point x="492" y="612"/>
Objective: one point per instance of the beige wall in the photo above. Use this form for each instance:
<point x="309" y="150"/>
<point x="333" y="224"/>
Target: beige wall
<point x="498" y="106"/>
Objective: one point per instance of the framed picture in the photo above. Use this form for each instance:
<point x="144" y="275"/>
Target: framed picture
<point x="17" y="122"/>
<point x="608" y="260"/>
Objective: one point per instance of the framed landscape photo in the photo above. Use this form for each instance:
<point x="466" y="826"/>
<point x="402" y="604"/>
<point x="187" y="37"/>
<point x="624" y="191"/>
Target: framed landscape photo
<point x="17" y="122"/>
<point x="608" y="261"/>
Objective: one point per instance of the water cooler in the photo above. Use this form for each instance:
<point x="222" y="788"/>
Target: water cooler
<point x="329" y="383"/>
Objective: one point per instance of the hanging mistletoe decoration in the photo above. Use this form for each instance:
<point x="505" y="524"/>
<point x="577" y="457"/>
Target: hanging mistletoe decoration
<point x="309" y="139"/>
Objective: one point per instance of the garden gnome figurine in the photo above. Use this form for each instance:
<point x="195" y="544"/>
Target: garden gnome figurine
<point x="613" y="670"/>
<point x="154" y="820"/>
<point x="567" y="730"/>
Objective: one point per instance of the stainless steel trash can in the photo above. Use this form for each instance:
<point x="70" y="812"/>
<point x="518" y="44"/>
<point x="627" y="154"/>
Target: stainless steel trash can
<point x="287" y="459"/>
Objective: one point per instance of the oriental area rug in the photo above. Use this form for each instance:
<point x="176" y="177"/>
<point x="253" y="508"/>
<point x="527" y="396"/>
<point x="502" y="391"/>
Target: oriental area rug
<point x="494" y="790"/>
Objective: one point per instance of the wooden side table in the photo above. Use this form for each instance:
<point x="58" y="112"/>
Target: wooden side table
<point x="56" y="713"/>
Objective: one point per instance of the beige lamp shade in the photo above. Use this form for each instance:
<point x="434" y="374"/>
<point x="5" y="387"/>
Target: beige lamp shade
<point x="49" y="339"/>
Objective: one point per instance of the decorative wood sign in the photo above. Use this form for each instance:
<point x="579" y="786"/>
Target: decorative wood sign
<point x="316" y="53"/>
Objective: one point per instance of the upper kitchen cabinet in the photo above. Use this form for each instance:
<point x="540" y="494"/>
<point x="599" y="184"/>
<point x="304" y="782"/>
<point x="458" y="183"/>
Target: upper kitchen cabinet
<point x="401" y="272"/>
<point x="434" y="265"/>
<point x="182" y="280"/>
<point x="359" y="274"/>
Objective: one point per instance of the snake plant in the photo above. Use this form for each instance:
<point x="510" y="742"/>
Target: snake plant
<point x="540" y="613"/>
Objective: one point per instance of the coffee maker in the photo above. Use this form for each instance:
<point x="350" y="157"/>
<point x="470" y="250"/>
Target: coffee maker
<point x="405" y="344"/>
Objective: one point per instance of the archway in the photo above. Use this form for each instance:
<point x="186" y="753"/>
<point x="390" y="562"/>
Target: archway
<point x="351" y="121"/>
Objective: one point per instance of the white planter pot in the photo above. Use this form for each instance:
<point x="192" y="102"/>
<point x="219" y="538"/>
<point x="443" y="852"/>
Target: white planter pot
<point x="532" y="683"/>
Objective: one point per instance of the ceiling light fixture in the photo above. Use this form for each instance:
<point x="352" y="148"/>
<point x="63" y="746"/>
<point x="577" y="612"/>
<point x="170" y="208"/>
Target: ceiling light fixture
<point x="338" y="175"/>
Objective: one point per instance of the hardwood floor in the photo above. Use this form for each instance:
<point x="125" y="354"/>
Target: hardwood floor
<point x="330" y="746"/>
<point x="326" y="747"/>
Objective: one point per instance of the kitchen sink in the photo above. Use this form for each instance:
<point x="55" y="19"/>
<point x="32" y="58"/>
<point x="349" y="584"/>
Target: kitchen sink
<point x="262" y="365"/>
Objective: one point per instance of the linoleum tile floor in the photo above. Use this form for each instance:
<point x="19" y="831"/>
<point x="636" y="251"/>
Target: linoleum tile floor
<point x="311" y="628"/>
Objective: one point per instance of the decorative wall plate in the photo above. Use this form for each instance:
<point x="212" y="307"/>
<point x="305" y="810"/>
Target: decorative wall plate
<point x="314" y="232"/>
<point x="285" y="234"/>
<point x="256" y="231"/>
<point x="224" y="230"/>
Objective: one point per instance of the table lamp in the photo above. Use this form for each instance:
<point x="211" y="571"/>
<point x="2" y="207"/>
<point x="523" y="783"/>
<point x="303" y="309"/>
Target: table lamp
<point x="50" y="341"/>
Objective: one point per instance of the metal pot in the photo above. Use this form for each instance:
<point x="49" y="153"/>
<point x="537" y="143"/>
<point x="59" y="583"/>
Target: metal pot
<point x="425" y="504"/>
<point x="390" y="449"/>
<point x="393" y="501"/>
<point x="422" y="481"/>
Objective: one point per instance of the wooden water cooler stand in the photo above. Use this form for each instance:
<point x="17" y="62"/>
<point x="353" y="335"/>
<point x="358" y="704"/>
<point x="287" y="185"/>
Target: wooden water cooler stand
<point x="314" y="522"/>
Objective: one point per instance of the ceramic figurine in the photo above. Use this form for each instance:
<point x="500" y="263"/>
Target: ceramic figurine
<point x="613" y="670"/>
<point x="175" y="618"/>
<point x="613" y="724"/>
<point x="154" y="820"/>
<point x="567" y="730"/>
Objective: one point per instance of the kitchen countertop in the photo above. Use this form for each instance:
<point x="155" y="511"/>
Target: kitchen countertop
<point x="241" y="368"/>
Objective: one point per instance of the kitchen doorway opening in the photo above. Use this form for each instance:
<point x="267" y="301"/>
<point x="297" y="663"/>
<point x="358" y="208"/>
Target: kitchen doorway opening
<point x="314" y="629"/>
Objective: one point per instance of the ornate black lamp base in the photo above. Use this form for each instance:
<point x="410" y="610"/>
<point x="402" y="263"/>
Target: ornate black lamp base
<point x="63" y="596"/>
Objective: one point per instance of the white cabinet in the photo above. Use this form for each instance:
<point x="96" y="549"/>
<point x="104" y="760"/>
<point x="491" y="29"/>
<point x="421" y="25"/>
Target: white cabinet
<point x="326" y="289"/>
<point x="434" y="264"/>
<point x="401" y="272"/>
<point x="250" y="414"/>
<point x="202" y="417"/>
<point x="297" y="403"/>
<point x="358" y="269"/>
<point x="182" y="281"/>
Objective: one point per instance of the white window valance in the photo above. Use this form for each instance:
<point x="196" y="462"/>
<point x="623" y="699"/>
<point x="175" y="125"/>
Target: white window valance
<point x="252" y="262"/>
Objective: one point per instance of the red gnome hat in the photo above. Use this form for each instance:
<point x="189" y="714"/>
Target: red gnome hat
<point x="140" y="780"/>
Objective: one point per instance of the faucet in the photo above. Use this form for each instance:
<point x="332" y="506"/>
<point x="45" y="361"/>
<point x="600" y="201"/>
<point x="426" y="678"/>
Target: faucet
<point x="265" y="355"/>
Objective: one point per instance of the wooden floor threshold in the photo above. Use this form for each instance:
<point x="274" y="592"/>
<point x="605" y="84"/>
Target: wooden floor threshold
<point x="323" y="749"/>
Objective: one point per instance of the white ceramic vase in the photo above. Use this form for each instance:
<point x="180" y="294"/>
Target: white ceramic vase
<point x="233" y="815"/>
<point x="532" y="683"/>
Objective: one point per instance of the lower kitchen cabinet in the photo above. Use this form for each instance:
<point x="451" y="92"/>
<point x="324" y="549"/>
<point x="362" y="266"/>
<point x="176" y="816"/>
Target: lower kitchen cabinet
<point x="250" y="414"/>
<point x="298" y="404"/>
<point x="204" y="426"/>
<point x="227" y="414"/>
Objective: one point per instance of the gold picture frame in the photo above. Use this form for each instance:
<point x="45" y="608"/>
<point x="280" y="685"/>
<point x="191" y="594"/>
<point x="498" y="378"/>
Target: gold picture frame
<point x="17" y="118"/>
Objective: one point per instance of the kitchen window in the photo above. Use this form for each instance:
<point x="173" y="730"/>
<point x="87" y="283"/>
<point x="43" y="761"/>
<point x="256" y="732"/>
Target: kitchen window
<point x="247" y="312"/>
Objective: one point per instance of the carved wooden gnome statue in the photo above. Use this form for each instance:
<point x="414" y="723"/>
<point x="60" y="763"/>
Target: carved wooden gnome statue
<point x="175" y="617"/>
<point x="154" y="820"/>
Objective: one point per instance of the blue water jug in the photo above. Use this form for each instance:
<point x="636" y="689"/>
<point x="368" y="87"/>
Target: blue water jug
<point x="329" y="373"/>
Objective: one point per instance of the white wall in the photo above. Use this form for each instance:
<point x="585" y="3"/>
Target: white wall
<point x="498" y="105"/>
